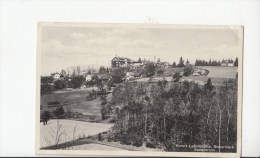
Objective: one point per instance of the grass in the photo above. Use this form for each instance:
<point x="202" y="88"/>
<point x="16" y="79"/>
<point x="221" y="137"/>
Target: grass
<point x="75" y="100"/>
<point x="170" y="71"/>
<point x="220" y="71"/>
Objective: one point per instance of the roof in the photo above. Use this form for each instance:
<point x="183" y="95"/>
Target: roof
<point x="55" y="73"/>
<point x="122" y="59"/>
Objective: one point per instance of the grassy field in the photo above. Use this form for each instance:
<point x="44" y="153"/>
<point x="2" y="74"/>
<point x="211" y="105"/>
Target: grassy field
<point x="170" y="71"/>
<point x="221" y="72"/>
<point x="75" y="100"/>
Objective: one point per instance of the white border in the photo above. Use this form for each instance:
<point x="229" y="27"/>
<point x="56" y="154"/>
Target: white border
<point x="18" y="25"/>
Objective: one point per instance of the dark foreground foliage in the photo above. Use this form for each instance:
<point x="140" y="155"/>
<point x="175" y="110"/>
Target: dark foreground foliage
<point x="167" y="115"/>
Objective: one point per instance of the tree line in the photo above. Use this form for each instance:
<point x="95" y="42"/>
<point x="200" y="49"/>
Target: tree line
<point x="199" y="62"/>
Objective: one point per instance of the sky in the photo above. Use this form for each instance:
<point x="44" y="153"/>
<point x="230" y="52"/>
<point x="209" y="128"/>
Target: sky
<point x="62" y="47"/>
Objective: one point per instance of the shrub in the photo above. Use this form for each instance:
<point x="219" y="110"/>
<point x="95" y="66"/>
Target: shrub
<point x="125" y="139"/>
<point x="45" y="116"/>
<point x="99" y="137"/>
<point x="176" y="76"/>
<point x="160" y="72"/>
<point x="188" y="70"/>
<point x="149" y="69"/>
<point x="138" y="142"/>
<point x="59" y="84"/>
<point x="169" y="146"/>
<point x="150" y="145"/>
<point x="109" y="139"/>
<point x="77" y="81"/>
<point x="59" y="112"/>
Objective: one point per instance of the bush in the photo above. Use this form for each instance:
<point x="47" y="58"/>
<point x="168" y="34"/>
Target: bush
<point x="176" y="76"/>
<point x="169" y="146"/>
<point x="46" y="89"/>
<point x="59" y="112"/>
<point x="109" y="139"/>
<point x="160" y="72"/>
<point x="59" y="84"/>
<point x="77" y="81"/>
<point x="125" y="139"/>
<point x="188" y="70"/>
<point x="138" y="141"/>
<point x="149" y="69"/>
<point x="45" y="116"/>
<point x="150" y="145"/>
<point x="99" y="137"/>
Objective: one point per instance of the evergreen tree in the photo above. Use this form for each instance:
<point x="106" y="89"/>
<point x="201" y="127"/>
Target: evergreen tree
<point x="174" y="64"/>
<point x="196" y="62"/>
<point x="181" y="63"/>
<point x="210" y="63"/>
<point x="187" y="62"/>
<point x="236" y="62"/>
<point x="139" y="60"/>
<point x="208" y="85"/>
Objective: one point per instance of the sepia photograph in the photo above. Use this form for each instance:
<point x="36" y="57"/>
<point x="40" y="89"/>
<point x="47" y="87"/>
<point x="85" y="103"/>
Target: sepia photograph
<point x="139" y="89"/>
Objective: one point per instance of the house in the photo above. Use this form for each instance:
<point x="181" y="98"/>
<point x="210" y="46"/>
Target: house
<point x="83" y="86"/>
<point x="137" y="65"/>
<point x="230" y="64"/>
<point x="89" y="78"/>
<point x="227" y="63"/>
<point x="121" y="62"/>
<point x="129" y="75"/>
<point x="224" y="63"/>
<point x="162" y="65"/>
<point x="56" y="76"/>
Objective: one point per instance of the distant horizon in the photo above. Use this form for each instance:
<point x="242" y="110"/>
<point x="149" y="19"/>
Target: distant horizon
<point x="62" y="47"/>
<point x="109" y="66"/>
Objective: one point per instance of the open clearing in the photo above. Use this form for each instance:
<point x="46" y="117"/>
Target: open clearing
<point x="67" y="126"/>
<point x="75" y="100"/>
<point x="221" y="71"/>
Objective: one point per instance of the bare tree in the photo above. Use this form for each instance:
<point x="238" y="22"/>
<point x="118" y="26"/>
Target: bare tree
<point x="57" y="135"/>
<point x="78" y="70"/>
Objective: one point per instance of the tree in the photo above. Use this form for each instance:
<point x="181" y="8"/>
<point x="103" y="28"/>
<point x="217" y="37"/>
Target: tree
<point x="59" y="112"/>
<point x="160" y="72"/>
<point x="104" y="110"/>
<point x="45" y="116"/>
<point x="102" y="70"/>
<point x="187" y="62"/>
<point x="78" y="70"/>
<point x="118" y="75"/>
<point x="181" y="63"/>
<point x="208" y="85"/>
<point x="176" y="76"/>
<point x="236" y="62"/>
<point x="188" y="70"/>
<point x="174" y="64"/>
<point x="77" y="81"/>
<point x="139" y="60"/>
<point x="69" y="112"/>
<point x="63" y="72"/>
<point x="158" y="60"/>
<point x="59" y="84"/>
<point x="46" y="84"/>
<point x="47" y="79"/>
<point x="149" y="69"/>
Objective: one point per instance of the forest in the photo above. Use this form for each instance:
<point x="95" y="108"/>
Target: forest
<point x="179" y="116"/>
